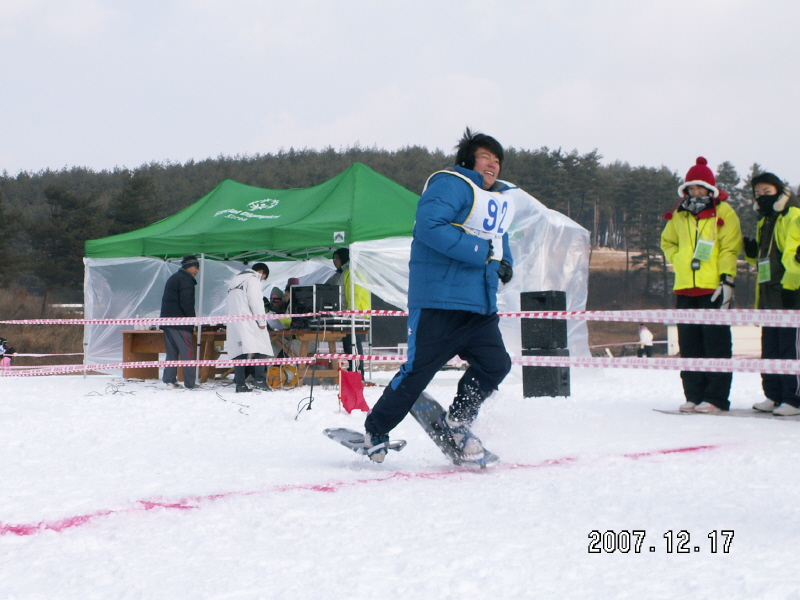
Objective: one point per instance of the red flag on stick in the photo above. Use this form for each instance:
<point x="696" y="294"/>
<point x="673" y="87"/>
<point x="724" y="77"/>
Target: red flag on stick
<point x="351" y="391"/>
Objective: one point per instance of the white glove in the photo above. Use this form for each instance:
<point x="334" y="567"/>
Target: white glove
<point x="725" y="290"/>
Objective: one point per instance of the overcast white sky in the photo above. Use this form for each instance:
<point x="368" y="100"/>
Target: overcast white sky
<point x="102" y="83"/>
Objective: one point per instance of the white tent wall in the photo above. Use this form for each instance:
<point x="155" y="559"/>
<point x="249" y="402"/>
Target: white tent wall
<point x="118" y="288"/>
<point x="551" y="252"/>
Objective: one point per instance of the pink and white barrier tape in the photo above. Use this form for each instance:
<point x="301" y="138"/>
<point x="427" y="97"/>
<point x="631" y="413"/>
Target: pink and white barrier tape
<point x="750" y="316"/>
<point x="627" y="344"/>
<point x="769" y="318"/>
<point x="40" y="355"/>
<point x="716" y="365"/>
<point x="65" y="369"/>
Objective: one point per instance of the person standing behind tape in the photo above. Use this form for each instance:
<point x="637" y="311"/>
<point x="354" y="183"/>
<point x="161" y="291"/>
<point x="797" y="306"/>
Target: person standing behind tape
<point x="776" y="251"/>
<point x="178" y="301"/>
<point x="356" y="299"/>
<point x="277" y="306"/>
<point x="702" y="240"/>
<point x="6" y="352"/>
<point x="645" y="342"/>
<point x="248" y="339"/>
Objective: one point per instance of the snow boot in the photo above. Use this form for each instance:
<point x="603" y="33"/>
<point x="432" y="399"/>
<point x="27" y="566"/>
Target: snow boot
<point x="462" y="438"/>
<point x="707" y="408"/>
<point x="786" y="410"/>
<point x="376" y="445"/>
<point x="765" y="406"/>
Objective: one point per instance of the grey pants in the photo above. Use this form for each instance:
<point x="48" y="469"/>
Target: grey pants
<point x="178" y="343"/>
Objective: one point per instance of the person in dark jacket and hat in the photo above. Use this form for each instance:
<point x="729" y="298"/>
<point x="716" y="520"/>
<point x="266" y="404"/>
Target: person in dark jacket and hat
<point x="178" y="301"/>
<point x="776" y="250"/>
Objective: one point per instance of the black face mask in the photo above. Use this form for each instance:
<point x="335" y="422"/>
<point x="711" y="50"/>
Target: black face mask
<point x="765" y="205"/>
<point x="696" y="205"/>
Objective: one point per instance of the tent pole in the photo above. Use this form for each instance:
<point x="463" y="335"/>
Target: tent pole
<point x="352" y="305"/>
<point x="200" y="313"/>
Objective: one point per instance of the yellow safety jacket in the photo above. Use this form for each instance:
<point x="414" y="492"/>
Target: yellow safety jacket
<point x="679" y="241"/>
<point x="786" y="239"/>
<point x="363" y="300"/>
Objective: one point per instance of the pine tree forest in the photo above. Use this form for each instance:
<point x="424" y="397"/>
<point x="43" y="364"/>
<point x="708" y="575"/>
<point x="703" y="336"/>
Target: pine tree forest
<point x="45" y="217"/>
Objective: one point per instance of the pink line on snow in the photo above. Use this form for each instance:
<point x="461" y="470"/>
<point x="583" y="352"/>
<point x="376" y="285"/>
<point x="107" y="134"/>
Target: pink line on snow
<point x="195" y="502"/>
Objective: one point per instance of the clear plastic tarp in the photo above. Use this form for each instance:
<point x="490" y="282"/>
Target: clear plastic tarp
<point x="551" y="252"/>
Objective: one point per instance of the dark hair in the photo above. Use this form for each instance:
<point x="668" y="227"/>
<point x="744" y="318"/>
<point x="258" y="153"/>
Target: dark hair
<point x="770" y="179"/>
<point x="190" y="260"/>
<point x="469" y="144"/>
<point x="343" y="254"/>
<point x="261" y="267"/>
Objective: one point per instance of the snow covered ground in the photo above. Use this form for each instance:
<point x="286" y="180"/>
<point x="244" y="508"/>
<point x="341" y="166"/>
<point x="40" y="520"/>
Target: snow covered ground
<point x="132" y="491"/>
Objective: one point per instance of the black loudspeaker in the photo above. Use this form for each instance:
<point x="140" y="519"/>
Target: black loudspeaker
<point x="544" y="333"/>
<point x="545" y="381"/>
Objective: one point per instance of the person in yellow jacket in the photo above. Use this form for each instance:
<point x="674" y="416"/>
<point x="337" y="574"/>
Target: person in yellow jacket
<point x="775" y="251"/>
<point x="355" y="298"/>
<point x="702" y="240"/>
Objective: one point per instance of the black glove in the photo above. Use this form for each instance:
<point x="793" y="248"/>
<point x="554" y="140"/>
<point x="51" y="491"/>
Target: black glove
<point x="491" y="252"/>
<point x="790" y="299"/>
<point x="505" y="272"/>
<point x="751" y="248"/>
<point x="797" y="254"/>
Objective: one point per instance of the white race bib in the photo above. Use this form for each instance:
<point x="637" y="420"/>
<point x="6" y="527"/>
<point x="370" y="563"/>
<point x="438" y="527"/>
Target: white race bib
<point x="491" y="215"/>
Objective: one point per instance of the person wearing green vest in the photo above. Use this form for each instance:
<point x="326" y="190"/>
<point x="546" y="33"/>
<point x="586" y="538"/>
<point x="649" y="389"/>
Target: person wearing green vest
<point x="775" y="251"/>
<point x="356" y="298"/>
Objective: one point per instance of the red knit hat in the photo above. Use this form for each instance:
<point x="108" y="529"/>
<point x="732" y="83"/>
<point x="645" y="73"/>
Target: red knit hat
<point x="700" y="174"/>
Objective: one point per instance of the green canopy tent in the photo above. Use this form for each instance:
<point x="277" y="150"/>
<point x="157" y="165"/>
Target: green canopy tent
<point x="295" y="231"/>
<point x="235" y="224"/>
<point x="241" y="222"/>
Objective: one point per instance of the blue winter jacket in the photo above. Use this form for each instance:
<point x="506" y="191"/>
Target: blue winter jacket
<point x="448" y="266"/>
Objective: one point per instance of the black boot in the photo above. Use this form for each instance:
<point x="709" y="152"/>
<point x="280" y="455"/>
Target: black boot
<point x="468" y="400"/>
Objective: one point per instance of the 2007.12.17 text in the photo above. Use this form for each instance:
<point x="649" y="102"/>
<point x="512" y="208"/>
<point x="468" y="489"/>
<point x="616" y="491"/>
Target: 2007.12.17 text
<point x="625" y="541"/>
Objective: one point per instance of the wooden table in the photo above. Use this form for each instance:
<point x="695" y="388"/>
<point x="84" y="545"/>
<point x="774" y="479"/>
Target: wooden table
<point x="138" y="346"/>
<point x="282" y="340"/>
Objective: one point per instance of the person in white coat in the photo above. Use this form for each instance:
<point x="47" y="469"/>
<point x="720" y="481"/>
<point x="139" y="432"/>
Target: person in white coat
<point x="248" y="339"/>
<point x="645" y="342"/>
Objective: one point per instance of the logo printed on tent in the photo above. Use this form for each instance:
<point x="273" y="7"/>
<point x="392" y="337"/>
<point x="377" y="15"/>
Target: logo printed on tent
<point x="265" y="204"/>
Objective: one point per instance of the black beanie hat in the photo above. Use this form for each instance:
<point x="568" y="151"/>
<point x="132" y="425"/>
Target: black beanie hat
<point x="190" y="260"/>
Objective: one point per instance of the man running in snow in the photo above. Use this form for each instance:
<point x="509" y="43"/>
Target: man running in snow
<point x="459" y="254"/>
